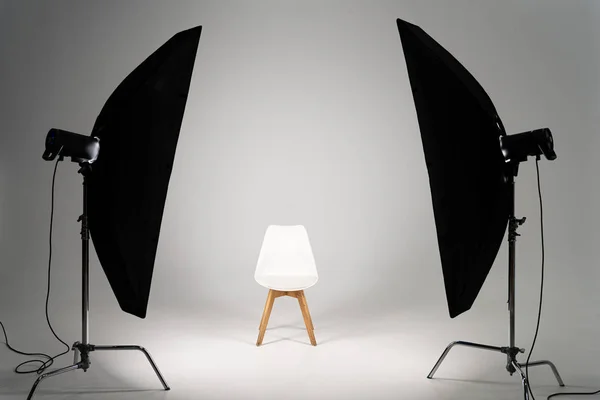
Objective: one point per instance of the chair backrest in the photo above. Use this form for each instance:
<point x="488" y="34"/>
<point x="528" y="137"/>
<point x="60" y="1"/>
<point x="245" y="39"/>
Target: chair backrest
<point x="286" y="251"/>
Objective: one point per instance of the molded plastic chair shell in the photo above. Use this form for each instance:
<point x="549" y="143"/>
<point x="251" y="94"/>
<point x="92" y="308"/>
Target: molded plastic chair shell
<point x="286" y="261"/>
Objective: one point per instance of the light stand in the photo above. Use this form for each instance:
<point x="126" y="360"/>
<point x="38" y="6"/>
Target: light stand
<point x="512" y="365"/>
<point x="83" y="349"/>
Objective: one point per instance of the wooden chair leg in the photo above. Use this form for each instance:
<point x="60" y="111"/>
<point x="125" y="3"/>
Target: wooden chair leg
<point x="307" y="319"/>
<point x="264" y="314"/>
<point x="308" y="312"/>
<point x="265" y="318"/>
<point x="273" y="294"/>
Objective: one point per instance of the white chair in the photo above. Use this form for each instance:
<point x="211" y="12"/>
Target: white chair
<point x="286" y="266"/>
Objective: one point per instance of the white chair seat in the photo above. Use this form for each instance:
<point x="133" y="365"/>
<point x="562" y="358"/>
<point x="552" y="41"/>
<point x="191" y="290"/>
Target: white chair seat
<point x="286" y="283"/>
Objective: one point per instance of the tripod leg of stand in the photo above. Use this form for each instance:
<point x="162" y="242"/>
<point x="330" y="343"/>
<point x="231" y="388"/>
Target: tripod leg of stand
<point x="548" y="363"/>
<point x="524" y="380"/>
<point x="460" y="343"/>
<point x="51" y="374"/>
<point x="143" y="350"/>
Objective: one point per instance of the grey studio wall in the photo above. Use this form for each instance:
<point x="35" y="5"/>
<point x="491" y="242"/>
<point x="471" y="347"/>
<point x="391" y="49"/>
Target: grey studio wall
<point x="301" y="113"/>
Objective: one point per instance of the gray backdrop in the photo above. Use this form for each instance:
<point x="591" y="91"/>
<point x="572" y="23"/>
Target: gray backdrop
<point x="301" y="113"/>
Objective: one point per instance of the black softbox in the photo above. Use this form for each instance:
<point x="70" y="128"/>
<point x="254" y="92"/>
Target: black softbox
<point x="460" y="131"/>
<point x="138" y="129"/>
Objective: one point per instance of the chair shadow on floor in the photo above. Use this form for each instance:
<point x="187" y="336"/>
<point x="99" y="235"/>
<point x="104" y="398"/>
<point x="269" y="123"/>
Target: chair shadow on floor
<point x="295" y="337"/>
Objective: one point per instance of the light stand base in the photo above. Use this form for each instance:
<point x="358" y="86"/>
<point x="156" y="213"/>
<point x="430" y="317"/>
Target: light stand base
<point x="512" y="364"/>
<point x="82" y="353"/>
<point x="83" y="349"/>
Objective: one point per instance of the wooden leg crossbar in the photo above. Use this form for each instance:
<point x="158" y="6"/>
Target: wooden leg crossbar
<point x="298" y="294"/>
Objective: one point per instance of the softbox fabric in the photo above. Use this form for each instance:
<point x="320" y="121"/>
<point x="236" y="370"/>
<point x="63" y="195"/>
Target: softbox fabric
<point x="138" y="129"/>
<point x="460" y="131"/>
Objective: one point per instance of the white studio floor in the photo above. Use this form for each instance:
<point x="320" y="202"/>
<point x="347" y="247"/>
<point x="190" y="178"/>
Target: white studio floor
<point x="358" y="356"/>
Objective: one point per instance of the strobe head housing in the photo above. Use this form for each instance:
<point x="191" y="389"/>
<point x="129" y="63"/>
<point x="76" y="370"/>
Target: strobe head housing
<point x="516" y="148"/>
<point x="81" y="148"/>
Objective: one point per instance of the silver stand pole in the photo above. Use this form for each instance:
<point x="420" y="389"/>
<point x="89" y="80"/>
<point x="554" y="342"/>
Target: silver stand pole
<point x="512" y="365"/>
<point x="83" y="349"/>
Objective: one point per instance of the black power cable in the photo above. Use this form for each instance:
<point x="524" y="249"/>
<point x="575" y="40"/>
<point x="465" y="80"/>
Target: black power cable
<point x="50" y="360"/>
<point x="539" y="317"/>
<point x="574" y="394"/>
<point x="541" y="297"/>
